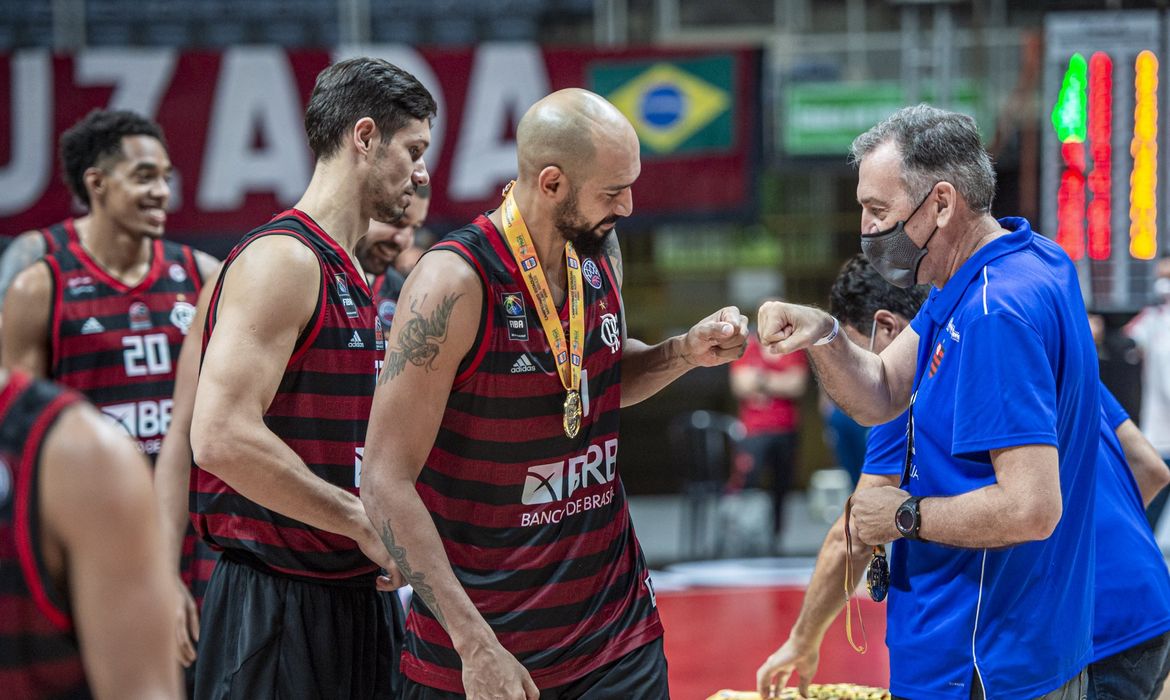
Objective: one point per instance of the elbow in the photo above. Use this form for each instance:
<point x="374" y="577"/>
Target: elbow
<point x="211" y="446"/>
<point x="1037" y="521"/>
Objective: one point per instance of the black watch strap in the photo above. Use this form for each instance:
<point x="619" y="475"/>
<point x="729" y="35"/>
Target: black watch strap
<point x="908" y="518"/>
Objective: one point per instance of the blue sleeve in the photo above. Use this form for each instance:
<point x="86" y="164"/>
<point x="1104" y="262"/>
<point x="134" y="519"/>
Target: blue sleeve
<point x="885" y="448"/>
<point x="1111" y="408"/>
<point x="1006" y="390"/>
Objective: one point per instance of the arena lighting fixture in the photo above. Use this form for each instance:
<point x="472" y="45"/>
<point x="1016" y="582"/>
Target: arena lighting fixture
<point x="1083" y="120"/>
<point x="1100" y="179"/>
<point x="1070" y="118"/>
<point x="1143" y="179"/>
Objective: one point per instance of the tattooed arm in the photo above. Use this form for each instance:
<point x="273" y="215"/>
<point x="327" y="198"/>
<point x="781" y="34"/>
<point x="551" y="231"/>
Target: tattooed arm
<point x="25" y="250"/>
<point x="438" y="316"/>
<point x="646" y="369"/>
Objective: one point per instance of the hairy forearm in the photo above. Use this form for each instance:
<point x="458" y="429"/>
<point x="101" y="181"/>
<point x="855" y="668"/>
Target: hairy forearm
<point x="986" y="517"/>
<point x="647" y="369"/>
<point x="251" y="459"/>
<point x="410" y="537"/>
<point x="856" y="380"/>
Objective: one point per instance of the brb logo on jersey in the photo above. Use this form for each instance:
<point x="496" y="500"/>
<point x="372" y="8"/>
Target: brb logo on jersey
<point x="557" y="482"/>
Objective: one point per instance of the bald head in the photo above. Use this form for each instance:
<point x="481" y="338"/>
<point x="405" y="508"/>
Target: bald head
<point x="566" y="129"/>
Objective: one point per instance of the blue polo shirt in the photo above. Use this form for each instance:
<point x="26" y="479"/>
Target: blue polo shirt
<point x="1133" y="585"/>
<point x="885" y="448"/>
<point x="1005" y="359"/>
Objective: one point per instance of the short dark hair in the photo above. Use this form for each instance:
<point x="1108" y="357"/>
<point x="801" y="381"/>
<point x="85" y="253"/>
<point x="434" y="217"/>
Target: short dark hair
<point x="859" y="291"/>
<point x="362" y="87"/>
<point x="935" y="145"/>
<point x="96" y="137"/>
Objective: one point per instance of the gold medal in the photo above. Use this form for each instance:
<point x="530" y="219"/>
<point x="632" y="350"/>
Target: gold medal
<point x="567" y="352"/>
<point x="572" y="419"/>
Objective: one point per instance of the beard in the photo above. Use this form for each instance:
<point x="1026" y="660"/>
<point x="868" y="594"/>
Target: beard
<point x="586" y="239"/>
<point x="386" y="208"/>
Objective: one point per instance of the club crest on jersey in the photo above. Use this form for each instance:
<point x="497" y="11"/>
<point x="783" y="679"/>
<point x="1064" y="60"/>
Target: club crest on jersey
<point x="936" y="360"/>
<point x="609" y="332"/>
<point x="343" y="293"/>
<point x="386" y="310"/>
<point x="591" y="274"/>
<point x="514" y="315"/>
<point x="181" y="316"/>
<point x="177" y="273"/>
<point x="139" y="316"/>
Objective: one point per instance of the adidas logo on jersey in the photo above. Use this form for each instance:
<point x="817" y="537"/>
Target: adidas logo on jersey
<point x="91" y="326"/>
<point x="356" y="341"/>
<point x="523" y="365"/>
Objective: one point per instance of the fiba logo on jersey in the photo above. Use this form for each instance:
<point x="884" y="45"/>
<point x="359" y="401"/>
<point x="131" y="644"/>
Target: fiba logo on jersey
<point x="177" y="273"/>
<point x="591" y="273"/>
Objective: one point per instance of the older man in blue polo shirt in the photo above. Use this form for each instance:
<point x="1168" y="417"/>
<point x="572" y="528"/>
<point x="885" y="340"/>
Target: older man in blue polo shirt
<point x="1131" y="622"/>
<point x="993" y="555"/>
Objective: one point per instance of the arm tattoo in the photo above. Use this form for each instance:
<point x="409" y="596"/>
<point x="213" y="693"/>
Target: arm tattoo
<point x="416" y="579"/>
<point x="418" y="343"/>
<point x="24" y="251"/>
<point x="613" y="253"/>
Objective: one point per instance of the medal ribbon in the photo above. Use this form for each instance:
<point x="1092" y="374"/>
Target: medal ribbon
<point x="864" y="646"/>
<point x="566" y="351"/>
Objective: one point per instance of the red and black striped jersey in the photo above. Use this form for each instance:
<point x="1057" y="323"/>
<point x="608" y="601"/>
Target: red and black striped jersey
<point x="320" y="410"/>
<point x="39" y="655"/>
<point x="59" y="235"/>
<point x="118" y="344"/>
<point x="535" y="524"/>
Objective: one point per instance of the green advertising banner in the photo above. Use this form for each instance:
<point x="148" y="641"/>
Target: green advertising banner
<point x="823" y="118"/>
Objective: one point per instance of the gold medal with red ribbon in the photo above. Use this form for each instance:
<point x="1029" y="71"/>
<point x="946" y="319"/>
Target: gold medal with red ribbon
<point x="566" y="351"/>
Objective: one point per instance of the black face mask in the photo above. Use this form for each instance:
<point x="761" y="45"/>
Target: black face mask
<point x="893" y="254"/>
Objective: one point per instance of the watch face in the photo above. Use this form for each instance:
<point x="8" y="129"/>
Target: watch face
<point x="904" y="519"/>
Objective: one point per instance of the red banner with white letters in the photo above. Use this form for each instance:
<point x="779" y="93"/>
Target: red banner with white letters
<point x="234" y="124"/>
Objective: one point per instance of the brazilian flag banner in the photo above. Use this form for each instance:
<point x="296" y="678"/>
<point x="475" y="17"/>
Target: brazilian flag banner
<point x="678" y="106"/>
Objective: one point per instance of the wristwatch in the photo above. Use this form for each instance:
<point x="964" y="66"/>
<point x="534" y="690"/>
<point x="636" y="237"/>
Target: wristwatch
<point x="908" y="519"/>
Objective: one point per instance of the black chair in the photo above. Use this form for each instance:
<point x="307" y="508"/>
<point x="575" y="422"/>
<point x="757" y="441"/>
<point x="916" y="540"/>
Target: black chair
<point x="704" y="444"/>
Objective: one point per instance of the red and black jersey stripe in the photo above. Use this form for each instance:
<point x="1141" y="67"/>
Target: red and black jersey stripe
<point x="118" y="344"/>
<point x="59" y="235"/>
<point x="535" y="524"/>
<point x="320" y="410"/>
<point x="39" y="655"/>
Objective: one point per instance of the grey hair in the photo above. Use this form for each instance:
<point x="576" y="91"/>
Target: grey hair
<point x="936" y="146"/>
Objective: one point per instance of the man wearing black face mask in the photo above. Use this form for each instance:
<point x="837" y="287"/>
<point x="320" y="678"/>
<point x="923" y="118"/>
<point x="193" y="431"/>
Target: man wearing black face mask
<point x="991" y="571"/>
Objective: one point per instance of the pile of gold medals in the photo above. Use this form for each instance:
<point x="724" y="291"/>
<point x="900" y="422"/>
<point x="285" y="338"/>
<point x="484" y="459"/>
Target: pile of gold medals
<point x="833" y="691"/>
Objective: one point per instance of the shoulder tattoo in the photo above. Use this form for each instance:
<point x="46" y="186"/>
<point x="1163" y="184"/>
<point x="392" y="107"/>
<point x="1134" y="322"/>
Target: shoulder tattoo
<point x="421" y="338"/>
